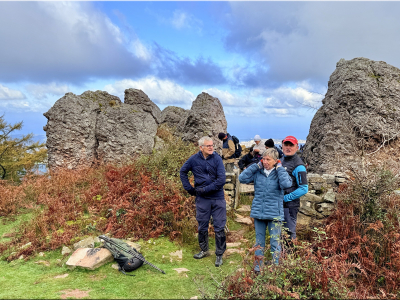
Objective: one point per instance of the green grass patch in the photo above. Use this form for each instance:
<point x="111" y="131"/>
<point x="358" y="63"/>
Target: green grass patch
<point x="21" y="279"/>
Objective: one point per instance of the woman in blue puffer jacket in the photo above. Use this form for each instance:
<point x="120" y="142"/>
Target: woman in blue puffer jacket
<point x="270" y="179"/>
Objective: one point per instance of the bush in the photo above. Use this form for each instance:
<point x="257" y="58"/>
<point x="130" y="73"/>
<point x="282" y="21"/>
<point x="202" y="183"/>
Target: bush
<point x="141" y="199"/>
<point x="354" y="254"/>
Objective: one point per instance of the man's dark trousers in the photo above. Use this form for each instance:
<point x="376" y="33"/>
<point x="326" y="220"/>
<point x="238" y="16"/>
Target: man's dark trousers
<point x="205" y="208"/>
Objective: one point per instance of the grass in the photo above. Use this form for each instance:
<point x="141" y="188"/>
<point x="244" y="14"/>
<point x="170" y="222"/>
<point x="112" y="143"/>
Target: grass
<point x="21" y="279"/>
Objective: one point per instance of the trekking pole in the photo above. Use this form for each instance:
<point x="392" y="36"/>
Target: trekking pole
<point x="131" y="252"/>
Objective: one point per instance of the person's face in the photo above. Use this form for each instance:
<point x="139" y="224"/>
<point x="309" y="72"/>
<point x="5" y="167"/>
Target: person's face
<point x="289" y="149"/>
<point x="269" y="162"/>
<point x="257" y="142"/>
<point x="207" y="149"/>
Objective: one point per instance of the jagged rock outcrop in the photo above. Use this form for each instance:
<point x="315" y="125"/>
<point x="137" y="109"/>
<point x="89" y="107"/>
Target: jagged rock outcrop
<point x="205" y="118"/>
<point x="360" y="112"/>
<point x="97" y="126"/>
<point x="141" y="102"/>
<point x="173" y="115"/>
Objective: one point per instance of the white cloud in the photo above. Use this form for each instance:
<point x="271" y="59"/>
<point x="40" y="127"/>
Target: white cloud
<point x="288" y="97"/>
<point x="304" y="40"/>
<point x="159" y="91"/>
<point x="42" y="91"/>
<point x="140" y="50"/>
<point x="9" y="94"/>
<point x="64" y="41"/>
<point x="183" y="20"/>
<point x="179" y="19"/>
<point x="228" y="99"/>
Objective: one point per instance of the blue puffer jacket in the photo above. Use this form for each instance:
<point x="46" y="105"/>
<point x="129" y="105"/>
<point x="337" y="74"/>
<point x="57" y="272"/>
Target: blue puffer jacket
<point x="268" y="191"/>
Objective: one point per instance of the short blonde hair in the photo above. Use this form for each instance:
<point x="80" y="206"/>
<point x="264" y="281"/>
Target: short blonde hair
<point x="271" y="152"/>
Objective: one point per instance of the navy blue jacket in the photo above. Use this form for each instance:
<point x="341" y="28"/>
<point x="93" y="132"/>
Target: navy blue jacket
<point x="208" y="174"/>
<point x="268" y="191"/>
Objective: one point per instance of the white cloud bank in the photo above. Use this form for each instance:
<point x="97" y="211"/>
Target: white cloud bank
<point x="9" y="94"/>
<point x="42" y="91"/>
<point x="163" y="92"/>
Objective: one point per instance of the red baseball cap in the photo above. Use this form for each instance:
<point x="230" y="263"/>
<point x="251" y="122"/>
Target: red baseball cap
<point x="291" y="139"/>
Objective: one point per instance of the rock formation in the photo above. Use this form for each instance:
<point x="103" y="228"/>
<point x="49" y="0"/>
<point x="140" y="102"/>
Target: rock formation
<point x="98" y="127"/>
<point x="360" y="112"/>
<point x="141" y="102"/>
<point x="172" y="116"/>
<point x="205" y="118"/>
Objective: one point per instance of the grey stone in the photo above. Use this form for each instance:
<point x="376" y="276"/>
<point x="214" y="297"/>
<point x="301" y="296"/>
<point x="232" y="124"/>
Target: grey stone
<point x="139" y="101"/>
<point x="172" y="116"/>
<point x="340" y="179"/>
<point x="205" y="118"/>
<point x="89" y="258"/>
<point x="244" y="208"/>
<point x="311" y="198"/>
<point x="330" y="196"/>
<point x="315" y="178"/>
<point x="363" y="99"/>
<point x="329" y="178"/>
<point x="85" y="243"/>
<point x="229" y="186"/>
<point x="65" y="250"/>
<point x="246" y="188"/>
<point x="325" y="208"/>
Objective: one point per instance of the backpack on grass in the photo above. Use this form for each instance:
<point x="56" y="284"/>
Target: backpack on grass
<point x="126" y="262"/>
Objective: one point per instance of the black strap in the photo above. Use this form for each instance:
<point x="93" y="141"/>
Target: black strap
<point x="123" y="271"/>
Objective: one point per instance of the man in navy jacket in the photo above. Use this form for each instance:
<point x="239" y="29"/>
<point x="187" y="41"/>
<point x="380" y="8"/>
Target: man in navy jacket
<point x="209" y="178"/>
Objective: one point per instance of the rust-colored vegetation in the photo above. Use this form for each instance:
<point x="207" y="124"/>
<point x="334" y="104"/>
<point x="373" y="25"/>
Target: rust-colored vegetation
<point x="142" y="199"/>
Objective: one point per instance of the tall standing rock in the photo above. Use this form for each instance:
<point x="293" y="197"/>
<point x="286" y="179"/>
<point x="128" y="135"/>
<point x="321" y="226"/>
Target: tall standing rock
<point x="205" y="118"/>
<point x="360" y="111"/>
<point x="71" y="126"/>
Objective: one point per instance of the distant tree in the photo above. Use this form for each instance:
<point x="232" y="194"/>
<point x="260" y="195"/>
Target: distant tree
<point x="18" y="155"/>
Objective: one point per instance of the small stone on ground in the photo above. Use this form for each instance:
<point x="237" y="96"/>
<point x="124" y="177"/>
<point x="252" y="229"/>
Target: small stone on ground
<point x="43" y="262"/>
<point x="74" y="294"/>
<point x="233" y="245"/>
<point x="243" y="220"/>
<point x="180" y="270"/>
<point x="244" y="208"/>
<point x="61" y="276"/>
<point x="177" y="254"/>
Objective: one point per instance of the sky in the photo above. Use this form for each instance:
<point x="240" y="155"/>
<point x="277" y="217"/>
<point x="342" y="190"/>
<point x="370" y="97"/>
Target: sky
<point x="267" y="62"/>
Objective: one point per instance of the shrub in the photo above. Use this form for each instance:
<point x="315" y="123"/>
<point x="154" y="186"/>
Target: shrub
<point x="141" y="199"/>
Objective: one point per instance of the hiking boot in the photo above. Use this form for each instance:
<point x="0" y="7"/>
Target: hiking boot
<point x="218" y="261"/>
<point x="201" y="254"/>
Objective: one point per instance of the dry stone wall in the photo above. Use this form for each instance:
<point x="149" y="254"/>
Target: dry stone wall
<point x="320" y="200"/>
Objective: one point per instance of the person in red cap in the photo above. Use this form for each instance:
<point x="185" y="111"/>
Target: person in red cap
<point x="297" y="171"/>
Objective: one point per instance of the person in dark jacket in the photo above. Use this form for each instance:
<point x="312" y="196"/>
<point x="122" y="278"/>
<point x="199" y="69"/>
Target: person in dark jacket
<point x="270" y="144"/>
<point x="297" y="171"/>
<point x="209" y="180"/>
<point x="228" y="151"/>
<point x="247" y="160"/>
<point x="270" y="180"/>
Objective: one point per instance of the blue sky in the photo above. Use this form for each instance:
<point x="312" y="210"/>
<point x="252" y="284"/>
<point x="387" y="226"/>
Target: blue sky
<point x="263" y="60"/>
